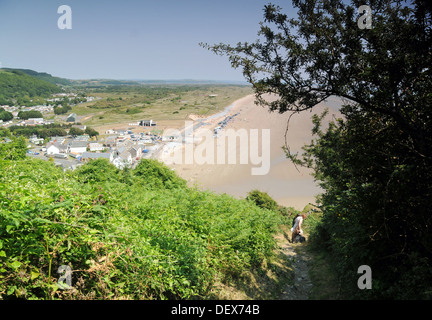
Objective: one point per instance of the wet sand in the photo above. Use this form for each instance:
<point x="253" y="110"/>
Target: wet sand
<point x="288" y="185"/>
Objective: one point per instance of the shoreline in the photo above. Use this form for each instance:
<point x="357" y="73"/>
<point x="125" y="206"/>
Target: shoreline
<point x="284" y="183"/>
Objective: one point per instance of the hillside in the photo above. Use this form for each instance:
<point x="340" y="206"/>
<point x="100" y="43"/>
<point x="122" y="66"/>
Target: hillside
<point x="43" y="76"/>
<point x="16" y="84"/>
<point x="133" y="234"/>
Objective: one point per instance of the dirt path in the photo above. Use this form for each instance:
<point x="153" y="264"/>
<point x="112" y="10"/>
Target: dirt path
<point x="299" y="258"/>
<point x="302" y="286"/>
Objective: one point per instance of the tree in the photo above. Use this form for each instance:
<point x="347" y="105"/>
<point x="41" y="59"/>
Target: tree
<point x="262" y="200"/>
<point x="75" y="131"/>
<point x="61" y="110"/>
<point x="91" y="132"/>
<point x="5" y="115"/>
<point x="24" y="115"/>
<point x="374" y="164"/>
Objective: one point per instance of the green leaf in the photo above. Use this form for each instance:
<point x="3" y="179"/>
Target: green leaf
<point x="15" y="265"/>
<point x="11" y="290"/>
<point x="41" y="220"/>
<point x="34" y="274"/>
<point x="2" y="253"/>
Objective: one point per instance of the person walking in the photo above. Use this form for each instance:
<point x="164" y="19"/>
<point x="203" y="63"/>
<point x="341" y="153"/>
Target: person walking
<point x="296" y="228"/>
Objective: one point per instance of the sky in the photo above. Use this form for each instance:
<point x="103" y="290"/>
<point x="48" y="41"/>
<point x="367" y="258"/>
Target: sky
<point x="128" y="39"/>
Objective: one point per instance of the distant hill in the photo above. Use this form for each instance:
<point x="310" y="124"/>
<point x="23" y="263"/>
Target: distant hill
<point x="95" y="83"/>
<point x="16" y="84"/>
<point x="43" y="76"/>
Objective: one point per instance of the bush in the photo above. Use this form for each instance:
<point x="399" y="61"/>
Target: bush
<point x="154" y="174"/>
<point x="262" y="200"/>
<point x="97" y="170"/>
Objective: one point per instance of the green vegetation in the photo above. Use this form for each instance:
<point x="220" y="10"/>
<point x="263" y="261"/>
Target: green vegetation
<point x="133" y="234"/>
<point x="62" y="109"/>
<point x="24" y="115"/>
<point x="5" y="115"/>
<point x="43" y="76"/>
<point x="262" y="200"/>
<point x="17" y="86"/>
<point x="50" y="130"/>
<point x="159" y="102"/>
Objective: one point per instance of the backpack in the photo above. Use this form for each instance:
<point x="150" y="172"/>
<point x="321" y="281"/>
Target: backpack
<point x="300" y="239"/>
<point x="293" y="223"/>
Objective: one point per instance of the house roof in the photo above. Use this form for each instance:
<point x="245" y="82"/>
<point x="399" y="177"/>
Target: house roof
<point x="58" y="145"/>
<point x="94" y="155"/>
<point x="125" y="155"/>
<point x="78" y="144"/>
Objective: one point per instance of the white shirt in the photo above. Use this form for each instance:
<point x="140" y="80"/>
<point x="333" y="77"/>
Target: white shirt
<point x="296" y="223"/>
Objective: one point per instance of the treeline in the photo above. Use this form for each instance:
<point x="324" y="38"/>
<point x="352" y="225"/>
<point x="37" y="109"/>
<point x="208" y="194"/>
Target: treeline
<point x="25" y="115"/>
<point x="125" y="234"/>
<point x="51" y="130"/>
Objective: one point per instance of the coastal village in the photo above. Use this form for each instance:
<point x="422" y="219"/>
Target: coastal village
<point x="123" y="148"/>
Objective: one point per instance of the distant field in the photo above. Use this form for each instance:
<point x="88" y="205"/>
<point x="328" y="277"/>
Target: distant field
<point x="157" y="102"/>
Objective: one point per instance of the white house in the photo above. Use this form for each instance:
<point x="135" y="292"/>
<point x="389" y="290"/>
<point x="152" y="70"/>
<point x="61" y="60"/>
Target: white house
<point x="78" y="147"/>
<point x="51" y="149"/>
<point x="123" y="160"/>
<point x="95" y="146"/>
<point x="135" y="152"/>
<point x="55" y="147"/>
<point x="35" y="140"/>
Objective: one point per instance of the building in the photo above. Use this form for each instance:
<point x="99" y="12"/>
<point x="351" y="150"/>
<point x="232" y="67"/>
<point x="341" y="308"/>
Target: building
<point x="59" y="139"/>
<point x="95" y="146"/>
<point x="77" y="147"/>
<point x="55" y="148"/>
<point x="147" y="123"/>
<point x="34" y="121"/>
<point x="122" y="160"/>
<point x="86" y="156"/>
<point x="35" y="140"/>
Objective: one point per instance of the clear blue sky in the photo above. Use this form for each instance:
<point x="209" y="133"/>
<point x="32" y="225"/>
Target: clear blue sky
<point x="128" y="39"/>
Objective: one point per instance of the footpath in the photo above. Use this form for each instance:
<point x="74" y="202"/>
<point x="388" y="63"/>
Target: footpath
<point x="298" y="258"/>
<point x="302" y="285"/>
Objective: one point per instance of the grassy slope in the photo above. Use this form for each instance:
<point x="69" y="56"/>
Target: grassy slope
<point x="172" y="104"/>
<point x="16" y="83"/>
<point x="122" y="238"/>
<point x="43" y="76"/>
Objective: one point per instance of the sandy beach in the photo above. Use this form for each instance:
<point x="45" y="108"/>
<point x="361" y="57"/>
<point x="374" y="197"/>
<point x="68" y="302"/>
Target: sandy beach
<point x="288" y="185"/>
